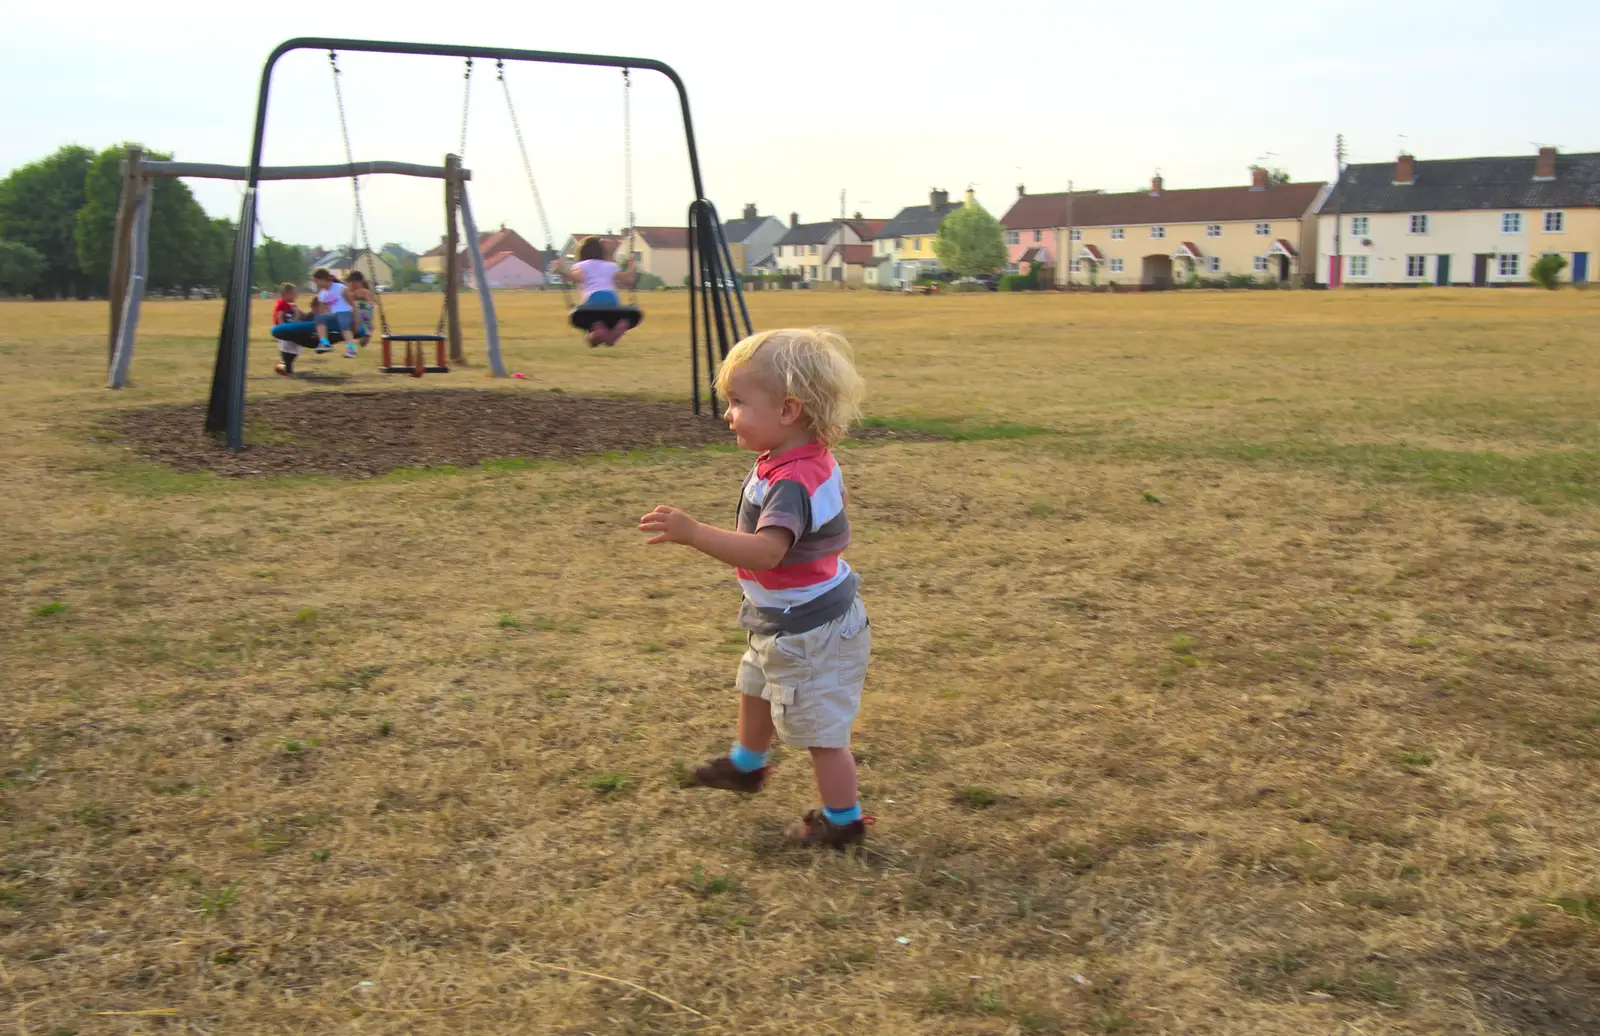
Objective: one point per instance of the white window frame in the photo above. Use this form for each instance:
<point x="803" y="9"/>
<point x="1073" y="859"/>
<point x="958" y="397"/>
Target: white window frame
<point x="1013" y="237"/>
<point x="1118" y="233"/>
<point x="1116" y="266"/>
<point x="1419" y="224"/>
<point x="1213" y="230"/>
<point x="1263" y="230"/>
<point x="1012" y="267"/>
<point x="1262" y="265"/>
<point x="1213" y="264"/>
<point x="1359" y="267"/>
<point x="1510" y="264"/>
<point x="1416" y="266"/>
<point x="1038" y="236"/>
<point x="1555" y="222"/>
<point x="1075" y="234"/>
<point x="1359" y="225"/>
<point x="1510" y="222"/>
<point x="1159" y="233"/>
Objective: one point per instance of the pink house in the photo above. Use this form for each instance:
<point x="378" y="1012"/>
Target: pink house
<point x="1030" y="231"/>
<point x="507" y="270"/>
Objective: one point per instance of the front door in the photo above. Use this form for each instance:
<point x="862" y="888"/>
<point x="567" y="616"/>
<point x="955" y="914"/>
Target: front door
<point x="1480" y="270"/>
<point x="1580" y="267"/>
<point x="1441" y="275"/>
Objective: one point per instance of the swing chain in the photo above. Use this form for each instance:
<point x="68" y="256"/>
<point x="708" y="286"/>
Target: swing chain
<point x="627" y="175"/>
<point x="527" y="168"/>
<point x="466" y="109"/>
<point x="355" y="187"/>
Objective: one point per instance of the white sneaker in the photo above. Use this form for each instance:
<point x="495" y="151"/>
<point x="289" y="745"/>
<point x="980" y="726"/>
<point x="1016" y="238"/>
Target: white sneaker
<point x="324" y="347"/>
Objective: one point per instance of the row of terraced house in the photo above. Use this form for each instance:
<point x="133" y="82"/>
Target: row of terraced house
<point x="1466" y="221"/>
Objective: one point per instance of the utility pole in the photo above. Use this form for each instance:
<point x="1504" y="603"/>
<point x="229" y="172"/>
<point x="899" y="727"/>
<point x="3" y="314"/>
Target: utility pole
<point x="1336" y="275"/>
<point x="1068" y="254"/>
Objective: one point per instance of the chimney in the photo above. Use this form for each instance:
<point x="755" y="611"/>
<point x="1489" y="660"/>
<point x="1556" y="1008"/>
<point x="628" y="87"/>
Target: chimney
<point x="750" y="211"/>
<point x="1022" y="190"/>
<point x="1544" y="168"/>
<point x="794" y="219"/>
<point x="1405" y="170"/>
<point x="1258" y="178"/>
<point x="1155" y="185"/>
<point x="936" y="198"/>
<point x="972" y="199"/>
<point x="859" y="216"/>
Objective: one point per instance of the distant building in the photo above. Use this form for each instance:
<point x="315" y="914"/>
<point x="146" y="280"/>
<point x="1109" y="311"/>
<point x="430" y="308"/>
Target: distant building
<point x="491" y="243"/>
<point x="801" y="250"/>
<point x="341" y="261"/>
<point x="1460" y="221"/>
<point x="752" y="239"/>
<point x="907" y="240"/>
<point x="506" y="270"/>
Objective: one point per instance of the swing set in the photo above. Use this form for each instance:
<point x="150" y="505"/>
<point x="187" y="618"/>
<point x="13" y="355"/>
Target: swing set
<point x="718" y="316"/>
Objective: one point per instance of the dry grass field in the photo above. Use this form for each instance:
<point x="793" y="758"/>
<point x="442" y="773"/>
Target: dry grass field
<point x="1236" y="673"/>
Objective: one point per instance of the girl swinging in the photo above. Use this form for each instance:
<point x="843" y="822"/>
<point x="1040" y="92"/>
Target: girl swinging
<point x="598" y="278"/>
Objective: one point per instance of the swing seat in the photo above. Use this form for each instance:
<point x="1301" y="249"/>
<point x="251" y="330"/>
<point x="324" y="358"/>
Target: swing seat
<point x="584" y="318"/>
<point x="297" y="332"/>
<point x="416" y="368"/>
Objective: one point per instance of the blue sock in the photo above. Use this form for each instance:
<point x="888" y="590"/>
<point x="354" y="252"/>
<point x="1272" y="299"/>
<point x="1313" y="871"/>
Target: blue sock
<point x="745" y="760"/>
<point x="841" y="817"/>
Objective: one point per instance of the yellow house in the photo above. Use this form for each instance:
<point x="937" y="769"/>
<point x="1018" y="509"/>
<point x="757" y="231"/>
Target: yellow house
<point x="662" y="251"/>
<point x="1161" y="238"/>
<point x="375" y="268"/>
<point x="906" y="241"/>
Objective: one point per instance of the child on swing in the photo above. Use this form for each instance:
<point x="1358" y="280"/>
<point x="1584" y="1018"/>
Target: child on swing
<point x="331" y="294"/>
<point x="598" y="277"/>
<point x="362" y="295"/>
<point x="284" y="311"/>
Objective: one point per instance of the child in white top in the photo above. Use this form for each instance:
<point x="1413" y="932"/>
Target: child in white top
<point x="332" y="295"/>
<point x="598" y="277"/>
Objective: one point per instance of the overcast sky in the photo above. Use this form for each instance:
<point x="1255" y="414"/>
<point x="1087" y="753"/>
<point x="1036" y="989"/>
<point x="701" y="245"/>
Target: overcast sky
<point x="793" y="103"/>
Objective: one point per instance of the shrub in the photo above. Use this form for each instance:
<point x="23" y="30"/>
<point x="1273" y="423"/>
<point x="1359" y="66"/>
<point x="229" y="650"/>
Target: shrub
<point x="649" y="282"/>
<point x="1546" y="270"/>
<point x="1029" y="281"/>
<point x="1239" y="280"/>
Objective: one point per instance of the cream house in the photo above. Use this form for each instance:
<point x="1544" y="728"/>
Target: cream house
<point x="1164" y="238"/>
<point x="1460" y="221"/>
<point x="803" y="251"/>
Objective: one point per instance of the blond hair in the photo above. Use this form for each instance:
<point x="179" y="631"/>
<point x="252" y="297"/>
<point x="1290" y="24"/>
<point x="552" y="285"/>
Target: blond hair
<point x="810" y="364"/>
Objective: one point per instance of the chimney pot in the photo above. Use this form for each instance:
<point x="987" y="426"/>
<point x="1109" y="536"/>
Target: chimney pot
<point x="1022" y="190"/>
<point x="937" y="197"/>
<point x="859" y="216"/>
<point x="1405" y="169"/>
<point x="750" y="210"/>
<point x="1258" y="178"/>
<point x="1155" y="184"/>
<point x="794" y="219"/>
<point x="1544" y="168"/>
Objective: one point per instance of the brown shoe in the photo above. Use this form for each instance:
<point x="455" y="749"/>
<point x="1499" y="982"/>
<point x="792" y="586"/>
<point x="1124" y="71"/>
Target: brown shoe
<point x="817" y="829"/>
<point x="721" y="773"/>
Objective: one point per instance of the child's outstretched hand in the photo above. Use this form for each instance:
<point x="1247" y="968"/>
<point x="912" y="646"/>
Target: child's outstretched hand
<point x="669" y="524"/>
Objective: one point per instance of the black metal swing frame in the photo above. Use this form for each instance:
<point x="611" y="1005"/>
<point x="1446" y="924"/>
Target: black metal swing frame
<point x="718" y="315"/>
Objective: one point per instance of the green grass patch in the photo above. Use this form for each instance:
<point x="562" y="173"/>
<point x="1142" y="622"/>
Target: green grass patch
<point x="957" y="430"/>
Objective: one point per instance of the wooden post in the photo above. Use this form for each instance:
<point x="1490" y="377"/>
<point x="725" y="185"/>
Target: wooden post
<point x="122" y="248"/>
<point x="452" y="261"/>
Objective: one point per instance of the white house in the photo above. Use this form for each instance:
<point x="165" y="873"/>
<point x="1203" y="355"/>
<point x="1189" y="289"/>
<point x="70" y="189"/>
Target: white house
<point x="506" y="270"/>
<point x="1459" y="221"/>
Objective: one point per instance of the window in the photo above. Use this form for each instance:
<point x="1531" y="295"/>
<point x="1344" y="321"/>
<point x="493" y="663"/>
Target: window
<point x="1510" y="264"/>
<point x="916" y="244"/>
<point x="1213" y="230"/>
<point x="1511" y="223"/>
<point x="1358" y="266"/>
<point x="1416" y="266"/>
<point x="1213" y="264"/>
<point x="1116" y="264"/>
<point x="813" y="248"/>
<point x="1419" y="223"/>
<point x="1038" y="236"/>
<point x="1116" y="233"/>
<point x="1262" y="264"/>
<point x="1358" y="226"/>
<point x="1158" y="232"/>
<point x="1010" y="267"/>
<point x="1263" y="229"/>
<point x="1012" y="238"/>
<point x="1555" y="223"/>
<point x="1074" y="234"/>
<point x="899" y="243"/>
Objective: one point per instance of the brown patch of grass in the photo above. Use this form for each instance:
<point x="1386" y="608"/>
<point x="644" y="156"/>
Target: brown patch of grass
<point x="1304" y="747"/>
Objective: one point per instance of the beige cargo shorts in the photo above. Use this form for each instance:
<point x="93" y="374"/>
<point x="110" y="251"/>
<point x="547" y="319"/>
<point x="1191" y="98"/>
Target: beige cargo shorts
<point x="813" y="679"/>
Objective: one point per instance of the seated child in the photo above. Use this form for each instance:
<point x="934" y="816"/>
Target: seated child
<point x="284" y="312"/>
<point x="598" y="277"/>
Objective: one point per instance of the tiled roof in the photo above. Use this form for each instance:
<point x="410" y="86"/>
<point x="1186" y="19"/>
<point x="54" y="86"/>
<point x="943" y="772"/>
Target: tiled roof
<point x="852" y="255"/>
<point x="808" y="233"/>
<point x="504" y="240"/>
<point x="866" y="229"/>
<point x="1186" y="248"/>
<point x="1457" y="184"/>
<point x="1282" y="245"/>
<point x="1036" y="254"/>
<point x="736" y="230"/>
<point x="663" y="237"/>
<point x="916" y="221"/>
<point x="1138" y="208"/>
<point x="1089" y="251"/>
<point x="498" y="258"/>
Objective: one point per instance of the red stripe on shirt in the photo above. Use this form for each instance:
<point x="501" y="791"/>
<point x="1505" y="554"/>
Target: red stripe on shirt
<point x="792" y="577"/>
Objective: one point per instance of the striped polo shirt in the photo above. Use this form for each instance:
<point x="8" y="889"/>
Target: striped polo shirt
<point x="801" y="491"/>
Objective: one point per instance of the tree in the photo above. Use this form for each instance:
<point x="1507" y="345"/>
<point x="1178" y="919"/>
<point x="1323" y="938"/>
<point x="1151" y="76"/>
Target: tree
<point x="39" y="205"/>
<point x="277" y="262"/>
<point x="970" y="242"/>
<point x="397" y="254"/>
<point x="1275" y="177"/>
<point x="1546" y="271"/>
<point x="21" y="268"/>
<point x="405" y="278"/>
<point x="184" y="242"/>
